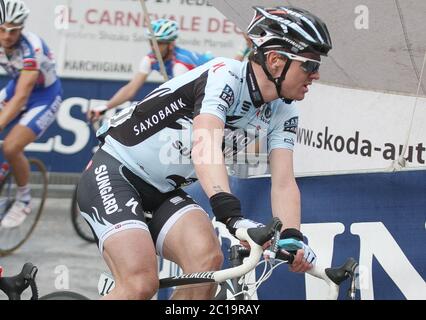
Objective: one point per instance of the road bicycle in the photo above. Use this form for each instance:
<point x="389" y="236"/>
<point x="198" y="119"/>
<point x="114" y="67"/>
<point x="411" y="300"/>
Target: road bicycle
<point x="231" y="281"/>
<point x="239" y="287"/>
<point x="12" y="238"/>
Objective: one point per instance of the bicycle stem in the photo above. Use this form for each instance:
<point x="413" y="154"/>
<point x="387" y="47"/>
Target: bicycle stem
<point x="256" y="252"/>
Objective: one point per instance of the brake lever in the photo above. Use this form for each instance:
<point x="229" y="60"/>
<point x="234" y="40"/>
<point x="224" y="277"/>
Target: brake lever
<point x="272" y="250"/>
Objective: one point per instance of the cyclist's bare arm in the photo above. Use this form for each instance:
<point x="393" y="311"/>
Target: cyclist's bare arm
<point x="24" y="87"/>
<point x="285" y="199"/>
<point x="285" y="195"/>
<point x="124" y="94"/>
<point x="207" y="156"/>
<point x="128" y="91"/>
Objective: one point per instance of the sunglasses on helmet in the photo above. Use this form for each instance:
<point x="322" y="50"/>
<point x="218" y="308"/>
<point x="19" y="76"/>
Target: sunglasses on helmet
<point x="308" y="65"/>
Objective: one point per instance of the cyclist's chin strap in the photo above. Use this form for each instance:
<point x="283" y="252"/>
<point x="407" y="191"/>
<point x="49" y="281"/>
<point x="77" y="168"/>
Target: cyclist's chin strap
<point x="277" y="81"/>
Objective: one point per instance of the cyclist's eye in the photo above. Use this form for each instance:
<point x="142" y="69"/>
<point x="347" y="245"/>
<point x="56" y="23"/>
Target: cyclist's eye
<point x="310" y="66"/>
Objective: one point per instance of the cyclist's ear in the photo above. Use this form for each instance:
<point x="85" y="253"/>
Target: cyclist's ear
<point x="275" y="60"/>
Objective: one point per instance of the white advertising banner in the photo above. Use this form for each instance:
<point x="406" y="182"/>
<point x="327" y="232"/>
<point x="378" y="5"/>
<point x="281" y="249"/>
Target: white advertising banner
<point x="106" y="39"/>
<point x="344" y="130"/>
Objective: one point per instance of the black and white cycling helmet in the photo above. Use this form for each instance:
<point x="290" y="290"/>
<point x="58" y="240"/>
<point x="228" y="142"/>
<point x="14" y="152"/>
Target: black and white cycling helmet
<point x="289" y="29"/>
<point x="294" y="29"/>
<point x="16" y="11"/>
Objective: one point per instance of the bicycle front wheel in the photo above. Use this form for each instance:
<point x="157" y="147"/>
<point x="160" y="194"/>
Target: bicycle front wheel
<point x="12" y="238"/>
<point x="64" y="295"/>
<point x="79" y="223"/>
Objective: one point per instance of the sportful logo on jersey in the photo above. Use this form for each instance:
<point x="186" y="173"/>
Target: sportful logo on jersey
<point x="227" y="95"/>
<point x="291" y="125"/>
<point x="245" y="107"/>
<point x="159" y="116"/>
<point x="176" y="200"/>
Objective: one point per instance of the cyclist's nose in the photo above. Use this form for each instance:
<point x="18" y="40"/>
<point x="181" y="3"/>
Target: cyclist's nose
<point x="315" y="76"/>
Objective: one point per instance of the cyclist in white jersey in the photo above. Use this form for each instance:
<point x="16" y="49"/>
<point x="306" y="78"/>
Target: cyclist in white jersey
<point x="29" y="102"/>
<point x="176" y="61"/>
<point x="178" y="134"/>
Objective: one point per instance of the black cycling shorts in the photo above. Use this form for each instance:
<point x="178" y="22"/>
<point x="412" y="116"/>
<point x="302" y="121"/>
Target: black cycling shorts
<point x="111" y="198"/>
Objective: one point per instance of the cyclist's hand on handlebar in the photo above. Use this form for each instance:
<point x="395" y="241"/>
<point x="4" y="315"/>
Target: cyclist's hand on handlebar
<point x="96" y="113"/>
<point x="239" y="222"/>
<point x="303" y="259"/>
<point x="304" y="256"/>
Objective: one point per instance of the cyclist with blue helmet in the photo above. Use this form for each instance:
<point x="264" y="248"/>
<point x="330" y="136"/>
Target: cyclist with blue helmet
<point x="176" y="60"/>
<point x="30" y="101"/>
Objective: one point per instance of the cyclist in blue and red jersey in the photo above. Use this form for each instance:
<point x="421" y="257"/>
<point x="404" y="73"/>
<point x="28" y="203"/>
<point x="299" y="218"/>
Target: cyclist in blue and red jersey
<point x="30" y="101"/>
<point x="176" y="60"/>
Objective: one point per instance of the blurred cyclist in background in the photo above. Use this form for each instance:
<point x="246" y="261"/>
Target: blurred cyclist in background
<point x="245" y="50"/>
<point x="176" y="60"/>
<point x="30" y="101"/>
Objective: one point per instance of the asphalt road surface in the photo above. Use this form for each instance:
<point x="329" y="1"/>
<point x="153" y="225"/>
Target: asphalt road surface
<point x="64" y="260"/>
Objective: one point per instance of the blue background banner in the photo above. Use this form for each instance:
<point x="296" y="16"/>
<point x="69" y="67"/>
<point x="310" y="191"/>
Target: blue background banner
<point x="381" y="223"/>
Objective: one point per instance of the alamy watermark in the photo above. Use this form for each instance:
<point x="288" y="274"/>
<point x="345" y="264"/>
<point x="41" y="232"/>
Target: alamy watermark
<point x="62" y="17"/>
<point x="233" y="147"/>
<point x="362" y="18"/>
<point x="62" y="278"/>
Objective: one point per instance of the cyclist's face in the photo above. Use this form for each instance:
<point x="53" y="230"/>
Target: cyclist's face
<point x="165" y="49"/>
<point x="10" y="34"/>
<point x="297" y="81"/>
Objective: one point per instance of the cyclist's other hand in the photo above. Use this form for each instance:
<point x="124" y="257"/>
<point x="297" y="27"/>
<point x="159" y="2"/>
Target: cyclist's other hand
<point x="304" y="259"/>
<point x="239" y="222"/>
<point x="94" y="114"/>
<point x="304" y="256"/>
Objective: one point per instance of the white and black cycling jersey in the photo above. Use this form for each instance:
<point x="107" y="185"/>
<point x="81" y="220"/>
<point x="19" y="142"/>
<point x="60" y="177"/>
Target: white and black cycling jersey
<point x="153" y="137"/>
